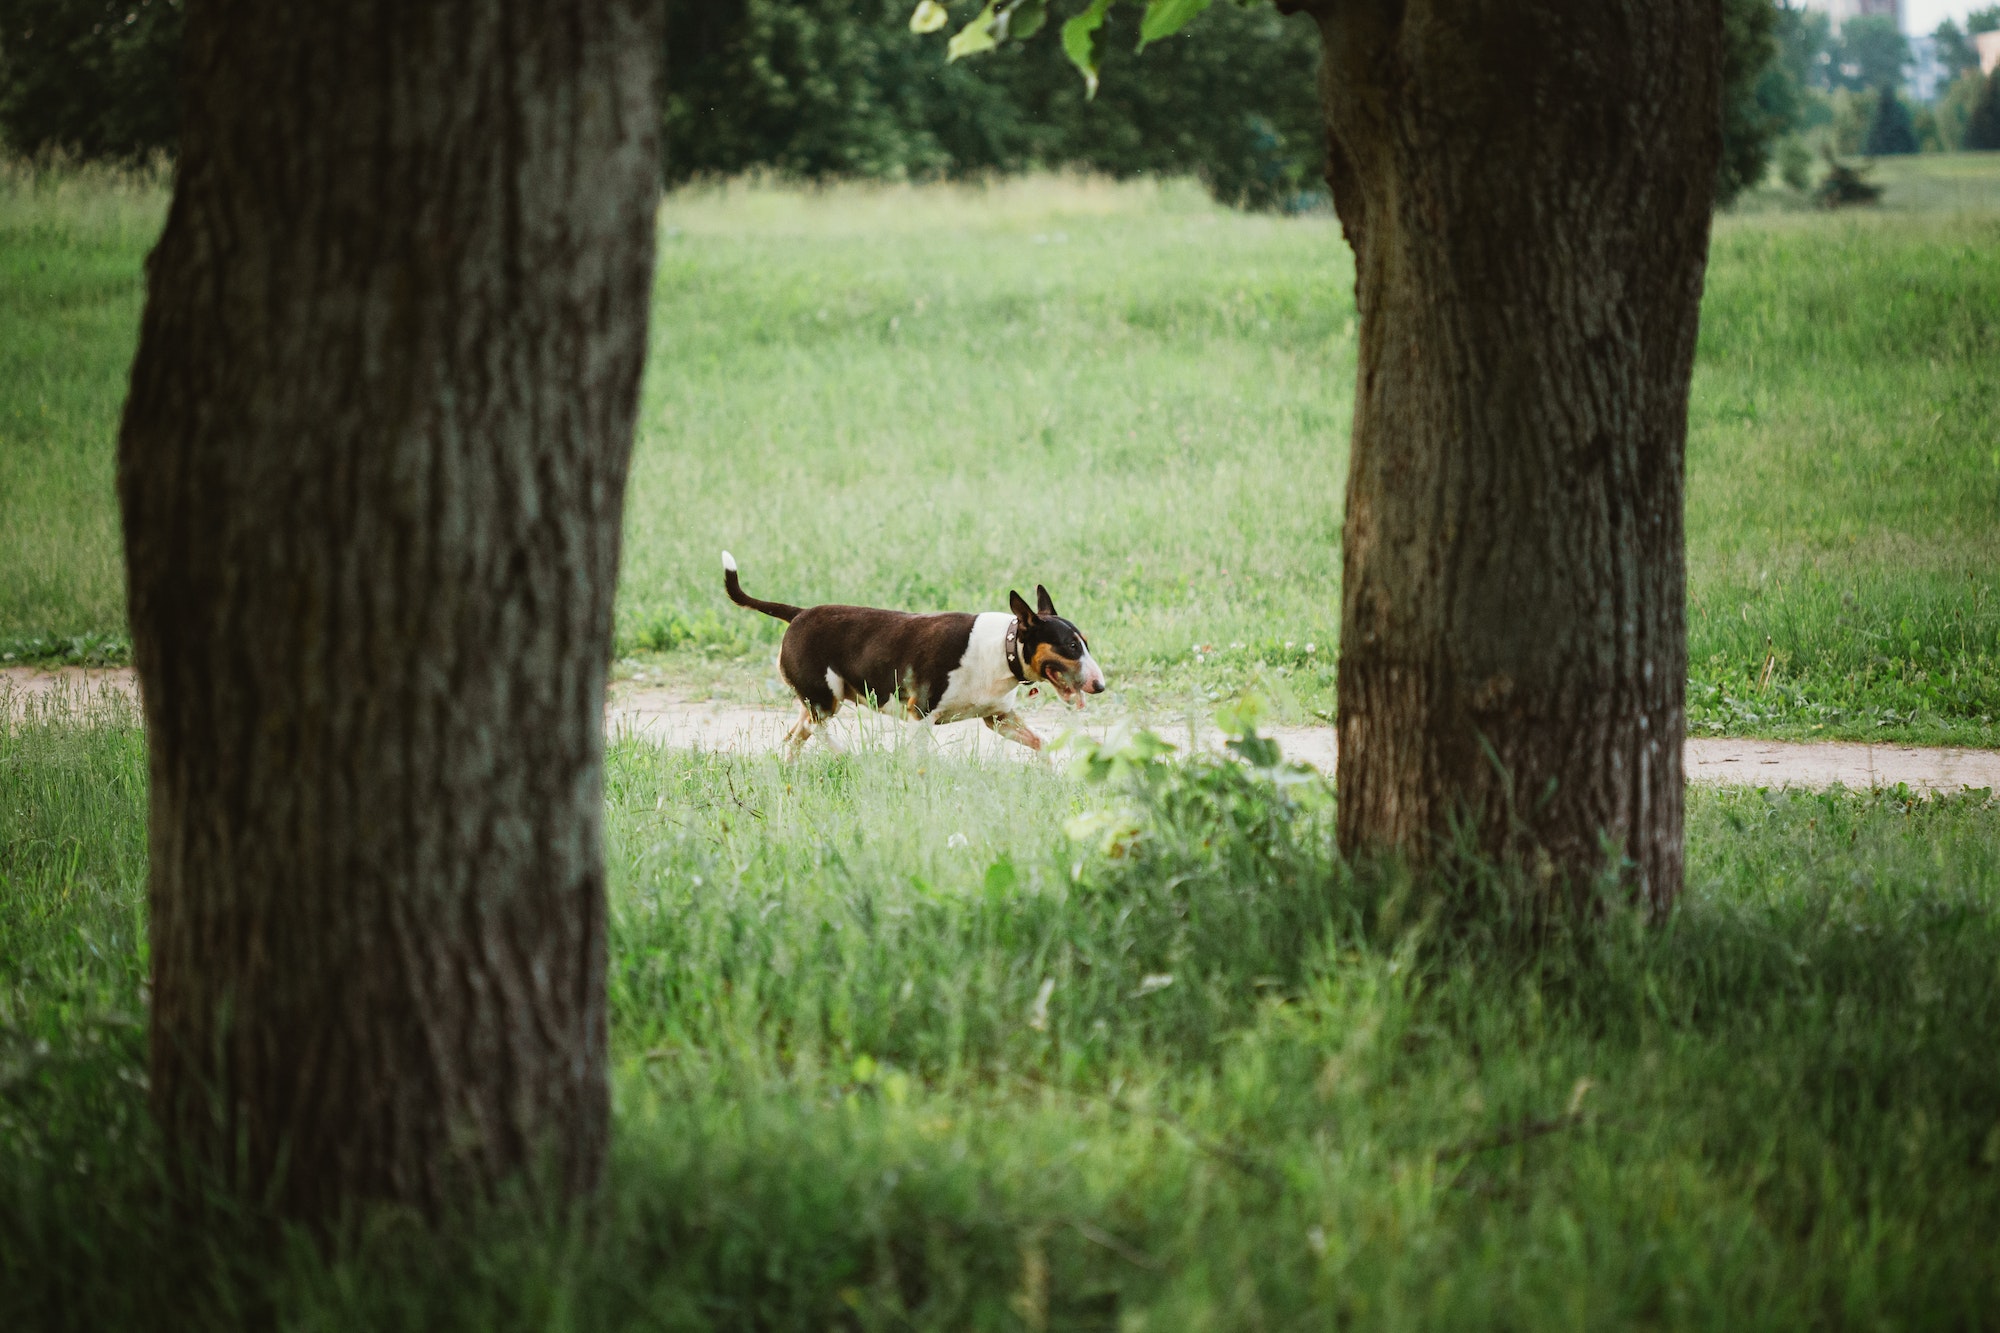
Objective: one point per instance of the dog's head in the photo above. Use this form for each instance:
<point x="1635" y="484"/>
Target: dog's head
<point x="1054" y="650"/>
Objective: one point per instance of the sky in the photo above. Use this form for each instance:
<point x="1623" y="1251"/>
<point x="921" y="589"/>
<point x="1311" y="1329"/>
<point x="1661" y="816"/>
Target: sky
<point x="1921" y="17"/>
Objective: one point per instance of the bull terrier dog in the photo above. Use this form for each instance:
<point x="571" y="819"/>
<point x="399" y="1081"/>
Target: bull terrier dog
<point x="950" y="666"/>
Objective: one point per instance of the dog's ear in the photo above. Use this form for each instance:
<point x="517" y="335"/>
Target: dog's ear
<point x="1043" y="602"/>
<point x="1021" y="611"/>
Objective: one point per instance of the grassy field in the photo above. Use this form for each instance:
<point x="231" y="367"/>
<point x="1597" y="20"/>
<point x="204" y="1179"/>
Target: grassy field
<point x="895" y="1050"/>
<point x="921" y="397"/>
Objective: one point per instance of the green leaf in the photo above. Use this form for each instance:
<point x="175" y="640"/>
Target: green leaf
<point x="928" y="16"/>
<point x="1164" y="18"/>
<point x="1079" y="39"/>
<point x="975" y="38"/>
<point x="1240" y="716"/>
<point x="1256" y="751"/>
<point x="1001" y="877"/>
<point x="1026" y="18"/>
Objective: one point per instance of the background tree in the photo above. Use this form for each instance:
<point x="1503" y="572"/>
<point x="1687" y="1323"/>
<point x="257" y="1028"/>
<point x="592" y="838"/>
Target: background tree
<point x="1239" y="109"/>
<point x="97" y="78"/>
<point x="1761" y="100"/>
<point x="826" y="88"/>
<point x="1952" y="46"/>
<point x="371" y="471"/>
<point x="1964" y="84"/>
<point x="1871" y="53"/>
<point x="1982" y="125"/>
<point x="1890" y="132"/>
<point x="1806" y="45"/>
<point x="1801" y="69"/>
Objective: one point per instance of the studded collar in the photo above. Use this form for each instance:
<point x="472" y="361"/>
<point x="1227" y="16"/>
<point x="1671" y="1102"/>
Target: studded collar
<point x="1014" y="649"/>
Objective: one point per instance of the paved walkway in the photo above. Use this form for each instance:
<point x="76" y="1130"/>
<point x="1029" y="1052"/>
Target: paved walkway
<point x="663" y="718"/>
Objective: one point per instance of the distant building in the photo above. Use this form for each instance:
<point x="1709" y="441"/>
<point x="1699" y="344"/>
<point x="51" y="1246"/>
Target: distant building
<point x="1839" y="11"/>
<point x="1988" y="46"/>
<point x="1926" y="71"/>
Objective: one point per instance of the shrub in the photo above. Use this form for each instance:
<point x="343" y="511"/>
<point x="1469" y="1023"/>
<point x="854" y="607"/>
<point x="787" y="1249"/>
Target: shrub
<point x="1845" y="185"/>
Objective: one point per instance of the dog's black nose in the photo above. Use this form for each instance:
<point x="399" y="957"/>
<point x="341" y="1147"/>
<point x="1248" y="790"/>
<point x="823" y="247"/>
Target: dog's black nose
<point x="1093" y="687"/>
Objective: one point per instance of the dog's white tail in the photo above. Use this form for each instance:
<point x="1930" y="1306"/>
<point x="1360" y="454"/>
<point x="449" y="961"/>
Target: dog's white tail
<point x="734" y="588"/>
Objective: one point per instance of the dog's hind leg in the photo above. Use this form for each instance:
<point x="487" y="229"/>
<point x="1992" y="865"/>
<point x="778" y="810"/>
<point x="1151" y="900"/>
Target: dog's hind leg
<point x="802" y="731"/>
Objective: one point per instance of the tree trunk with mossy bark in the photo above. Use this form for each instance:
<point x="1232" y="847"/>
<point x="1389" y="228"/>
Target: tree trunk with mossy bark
<point x="1527" y="189"/>
<point x="372" y="468"/>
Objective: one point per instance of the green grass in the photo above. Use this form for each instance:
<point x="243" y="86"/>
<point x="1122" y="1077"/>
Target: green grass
<point x="1844" y="461"/>
<point x="835" y="1106"/>
<point x="71" y="245"/>
<point x="921" y="397"/>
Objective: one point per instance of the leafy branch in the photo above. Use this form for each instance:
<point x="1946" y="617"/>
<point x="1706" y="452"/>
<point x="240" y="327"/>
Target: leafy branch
<point x="1001" y="21"/>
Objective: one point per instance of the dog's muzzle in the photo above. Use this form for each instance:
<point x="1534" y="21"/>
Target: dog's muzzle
<point x="1089" y="677"/>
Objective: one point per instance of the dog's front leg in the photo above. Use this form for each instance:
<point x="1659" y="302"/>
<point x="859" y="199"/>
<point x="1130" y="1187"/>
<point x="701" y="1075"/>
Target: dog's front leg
<point x="1013" y="728"/>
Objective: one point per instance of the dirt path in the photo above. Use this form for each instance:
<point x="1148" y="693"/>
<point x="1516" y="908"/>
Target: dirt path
<point x="665" y="719"/>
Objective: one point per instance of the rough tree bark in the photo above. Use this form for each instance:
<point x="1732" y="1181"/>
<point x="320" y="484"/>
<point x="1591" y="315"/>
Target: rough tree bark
<point x="371" y="469"/>
<point x="1527" y="189"/>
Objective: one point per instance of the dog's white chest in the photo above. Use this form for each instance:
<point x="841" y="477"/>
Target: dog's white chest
<point x="980" y="685"/>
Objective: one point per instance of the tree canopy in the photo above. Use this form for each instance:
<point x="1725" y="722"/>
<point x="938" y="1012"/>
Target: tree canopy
<point x="1872" y="53"/>
<point x="827" y="88"/>
<point x="840" y="88"/>
<point x="1760" y="99"/>
<point x="97" y="78"/>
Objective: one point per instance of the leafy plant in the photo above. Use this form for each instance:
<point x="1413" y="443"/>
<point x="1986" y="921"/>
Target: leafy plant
<point x="94" y="649"/>
<point x="1845" y="185"/>
<point x="1245" y="808"/>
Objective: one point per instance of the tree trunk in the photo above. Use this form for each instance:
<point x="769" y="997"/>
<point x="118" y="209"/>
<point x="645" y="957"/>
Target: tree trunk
<point x="1527" y="189"/>
<point x="372" y="468"/>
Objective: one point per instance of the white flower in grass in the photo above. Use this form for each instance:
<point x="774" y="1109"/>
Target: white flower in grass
<point x="957" y="840"/>
<point x="1038" y="1016"/>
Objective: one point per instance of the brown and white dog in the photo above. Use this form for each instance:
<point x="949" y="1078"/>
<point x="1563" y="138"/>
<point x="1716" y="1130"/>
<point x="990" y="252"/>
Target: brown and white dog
<point x="949" y="667"/>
